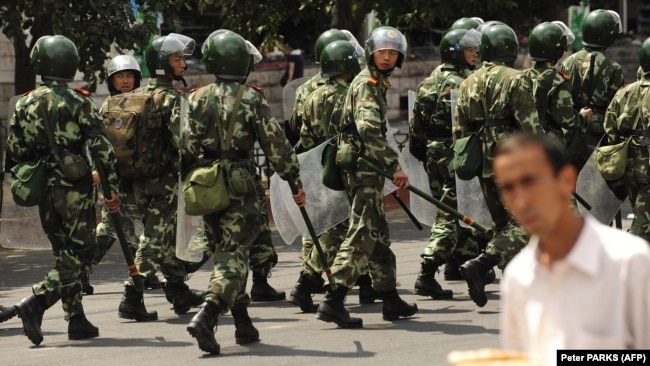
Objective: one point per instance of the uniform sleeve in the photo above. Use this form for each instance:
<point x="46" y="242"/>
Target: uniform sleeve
<point x="177" y="106"/>
<point x="369" y="122"/>
<point x="422" y="110"/>
<point x="195" y="133"/>
<point x="273" y="142"/>
<point x="312" y="128"/>
<point x="612" y="116"/>
<point x="16" y="146"/>
<point x="523" y="104"/>
<point x="561" y="108"/>
<point x="100" y="148"/>
<point x="461" y="126"/>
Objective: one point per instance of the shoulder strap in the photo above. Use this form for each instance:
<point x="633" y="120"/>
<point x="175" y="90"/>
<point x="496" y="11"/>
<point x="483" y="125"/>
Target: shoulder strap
<point x="54" y="116"/>
<point x="233" y="116"/>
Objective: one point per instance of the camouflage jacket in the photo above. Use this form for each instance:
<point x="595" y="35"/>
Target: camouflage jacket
<point x="365" y="108"/>
<point x="552" y="92"/>
<point x="210" y="110"/>
<point x="303" y="91"/>
<point x="593" y="86"/>
<point x="432" y="111"/>
<point x="323" y="109"/>
<point x="508" y="93"/>
<point x="78" y="123"/>
<point x="628" y="105"/>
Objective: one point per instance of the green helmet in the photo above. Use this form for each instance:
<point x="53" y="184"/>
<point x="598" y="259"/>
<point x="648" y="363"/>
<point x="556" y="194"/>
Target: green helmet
<point x="339" y="57"/>
<point x="466" y="23"/>
<point x="454" y="42"/>
<point x="123" y="63"/>
<point x="326" y="38"/>
<point x="55" y="57"/>
<point x="159" y="50"/>
<point x="644" y="56"/>
<point x="386" y="38"/>
<point x="499" y="43"/>
<point x="227" y="55"/>
<point x="548" y="41"/>
<point x="601" y="28"/>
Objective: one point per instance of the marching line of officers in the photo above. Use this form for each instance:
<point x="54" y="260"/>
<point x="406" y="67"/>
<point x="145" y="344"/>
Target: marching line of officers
<point x="578" y="105"/>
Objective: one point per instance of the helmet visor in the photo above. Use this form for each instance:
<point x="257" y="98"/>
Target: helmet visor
<point x="471" y="39"/>
<point x="617" y="19"/>
<point x="175" y="42"/>
<point x="387" y="39"/>
<point x="356" y="44"/>
<point x="566" y="31"/>
<point x="257" y="56"/>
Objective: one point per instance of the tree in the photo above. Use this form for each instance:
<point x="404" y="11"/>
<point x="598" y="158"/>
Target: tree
<point x="94" y="26"/>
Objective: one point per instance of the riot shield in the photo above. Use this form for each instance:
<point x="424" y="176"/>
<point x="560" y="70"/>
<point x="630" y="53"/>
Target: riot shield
<point x="389" y="187"/>
<point x="20" y="227"/>
<point x="326" y="207"/>
<point x="471" y="202"/>
<point x="593" y="188"/>
<point x="422" y="209"/>
<point x="289" y="96"/>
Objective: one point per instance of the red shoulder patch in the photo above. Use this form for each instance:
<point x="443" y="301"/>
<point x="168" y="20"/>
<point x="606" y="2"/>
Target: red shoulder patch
<point x="195" y="89"/>
<point x="258" y="88"/>
<point x="180" y="91"/>
<point x="565" y="76"/>
<point x="82" y="91"/>
<point x="27" y="92"/>
<point x="372" y="81"/>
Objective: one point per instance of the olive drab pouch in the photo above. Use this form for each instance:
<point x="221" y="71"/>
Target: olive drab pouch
<point x="135" y="128"/>
<point x="205" y="191"/>
<point x="240" y="180"/>
<point x="29" y="183"/>
<point x="74" y="166"/>
<point x="468" y="156"/>
<point x="347" y="156"/>
<point x="612" y="160"/>
<point x="331" y="175"/>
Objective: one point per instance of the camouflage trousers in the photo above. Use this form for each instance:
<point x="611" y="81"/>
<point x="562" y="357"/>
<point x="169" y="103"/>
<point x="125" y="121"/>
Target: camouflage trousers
<point x="129" y="216"/>
<point x="508" y="238"/>
<point x="448" y="239"/>
<point x="637" y="182"/>
<point x="263" y="256"/>
<point x="367" y="243"/>
<point x="157" y="201"/>
<point x="330" y="241"/>
<point x="230" y="235"/>
<point x="68" y="219"/>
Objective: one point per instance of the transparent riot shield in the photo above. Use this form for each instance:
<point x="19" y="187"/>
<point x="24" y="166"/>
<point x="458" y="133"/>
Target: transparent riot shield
<point x="593" y="188"/>
<point x="471" y="202"/>
<point x="325" y="207"/>
<point x="422" y="209"/>
<point x="20" y="227"/>
<point x="289" y="96"/>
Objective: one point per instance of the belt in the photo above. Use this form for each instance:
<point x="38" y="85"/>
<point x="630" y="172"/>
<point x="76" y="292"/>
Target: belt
<point x="226" y="154"/>
<point x="633" y="133"/>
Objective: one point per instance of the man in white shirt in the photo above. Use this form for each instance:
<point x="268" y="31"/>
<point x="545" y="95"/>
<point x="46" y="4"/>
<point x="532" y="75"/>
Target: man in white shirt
<point x="578" y="284"/>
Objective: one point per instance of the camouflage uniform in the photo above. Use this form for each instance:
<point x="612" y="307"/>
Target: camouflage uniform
<point x="430" y="136"/>
<point x="555" y="108"/>
<point x="68" y="212"/>
<point x="232" y="232"/>
<point x="263" y="256"/>
<point x="321" y="118"/>
<point x="367" y="241"/>
<point x="594" y="81"/>
<point x="157" y="196"/>
<point x="512" y="108"/>
<point x="620" y="120"/>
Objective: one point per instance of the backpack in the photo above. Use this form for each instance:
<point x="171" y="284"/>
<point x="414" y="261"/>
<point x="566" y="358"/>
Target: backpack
<point x="135" y="128"/>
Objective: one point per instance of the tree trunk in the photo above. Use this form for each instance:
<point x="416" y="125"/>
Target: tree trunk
<point x="24" y="75"/>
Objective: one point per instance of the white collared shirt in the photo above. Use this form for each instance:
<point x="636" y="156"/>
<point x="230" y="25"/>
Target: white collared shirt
<point x="598" y="297"/>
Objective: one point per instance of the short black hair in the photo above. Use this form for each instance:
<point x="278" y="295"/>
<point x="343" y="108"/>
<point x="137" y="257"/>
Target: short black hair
<point x="554" y="149"/>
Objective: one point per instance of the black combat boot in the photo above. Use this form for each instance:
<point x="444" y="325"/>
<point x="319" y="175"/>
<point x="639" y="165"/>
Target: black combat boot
<point x="490" y="277"/>
<point x="262" y="291"/>
<point x="86" y="287"/>
<point x="202" y="327"/>
<point x="301" y="293"/>
<point x="394" y="307"/>
<point x="245" y="332"/>
<point x="332" y="310"/>
<point x="426" y="284"/>
<point x="132" y="306"/>
<point x="452" y="272"/>
<point x="319" y="286"/>
<point x="182" y="296"/>
<point x="475" y="272"/>
<point x="31" y="310"/>
<point x="80" y="328"/>
<point x="6" y="313"/>
<point x="367" y="294"/>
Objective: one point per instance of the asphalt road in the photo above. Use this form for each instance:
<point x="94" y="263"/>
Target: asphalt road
<point x="288" y="337"/>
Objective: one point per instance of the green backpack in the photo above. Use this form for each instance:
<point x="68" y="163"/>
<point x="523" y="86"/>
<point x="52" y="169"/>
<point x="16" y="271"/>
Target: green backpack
<point x="135" y="128"/>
